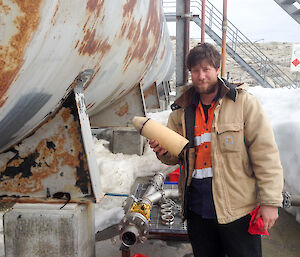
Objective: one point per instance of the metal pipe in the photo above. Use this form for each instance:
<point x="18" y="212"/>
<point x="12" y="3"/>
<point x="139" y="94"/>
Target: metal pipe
<point x="203" y="22"/>
<point x="153" y="198"/>
<point x="172" y="192"/>
<point x="158" y="180"/>
<point x="135" y="225"/>
<point x="296" y="201"/>
<point x="224" y="29"/>
<point x="157" y="196"/>
<point x="187" y="19"/>
<point x="290" y="200"/>
<point x="157" y="183"/>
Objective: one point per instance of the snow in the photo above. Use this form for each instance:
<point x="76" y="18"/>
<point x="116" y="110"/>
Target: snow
<point x="282" y="106"/>
<point x="119" y="171"/>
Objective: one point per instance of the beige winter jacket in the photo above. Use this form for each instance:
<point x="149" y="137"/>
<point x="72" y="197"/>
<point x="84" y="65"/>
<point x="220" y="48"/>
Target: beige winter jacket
<point x="245" y="159"/>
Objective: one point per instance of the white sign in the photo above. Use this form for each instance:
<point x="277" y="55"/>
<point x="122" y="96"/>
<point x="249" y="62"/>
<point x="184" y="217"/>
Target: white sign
<point x="295" y="62"/>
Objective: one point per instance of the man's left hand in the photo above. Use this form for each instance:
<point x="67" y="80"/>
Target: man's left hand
<point x="269" y="215"/>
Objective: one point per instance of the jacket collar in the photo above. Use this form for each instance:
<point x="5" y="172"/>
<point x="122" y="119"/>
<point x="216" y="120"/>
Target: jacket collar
<point x="190" y="96"/>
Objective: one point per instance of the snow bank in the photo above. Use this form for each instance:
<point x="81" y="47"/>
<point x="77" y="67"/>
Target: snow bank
<point x="282" y="106"/>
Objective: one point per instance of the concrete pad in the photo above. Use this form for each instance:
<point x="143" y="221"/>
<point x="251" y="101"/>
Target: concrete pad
<point x="34" y="230"/>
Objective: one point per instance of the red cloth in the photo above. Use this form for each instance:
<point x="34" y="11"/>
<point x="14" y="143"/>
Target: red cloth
<point x="139" y="255"/>
<point x="173" y="177"/>
<point x="255" y="228"/>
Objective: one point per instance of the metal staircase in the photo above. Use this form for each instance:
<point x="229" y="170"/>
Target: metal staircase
<point x="254" y="61"/>
<point x="292" y="7"/>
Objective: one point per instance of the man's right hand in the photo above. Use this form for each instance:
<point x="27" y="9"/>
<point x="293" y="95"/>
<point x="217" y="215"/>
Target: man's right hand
<point x="157" y="148"/>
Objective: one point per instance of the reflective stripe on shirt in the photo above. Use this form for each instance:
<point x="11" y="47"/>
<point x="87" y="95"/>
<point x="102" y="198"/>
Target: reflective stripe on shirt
<point x="202" y="173"/>
<point x="206" y="137"/>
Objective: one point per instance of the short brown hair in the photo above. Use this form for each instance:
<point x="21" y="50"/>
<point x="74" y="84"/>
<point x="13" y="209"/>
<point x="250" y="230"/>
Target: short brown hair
<point x="203" y="51"/>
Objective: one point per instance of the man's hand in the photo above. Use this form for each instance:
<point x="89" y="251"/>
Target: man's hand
<point x="157" y="148"/>
<point x="269" y="215"/>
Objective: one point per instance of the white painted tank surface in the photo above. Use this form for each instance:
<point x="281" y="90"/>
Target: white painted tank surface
<point x="164" y="63"/>
<point x="45" y="44"/>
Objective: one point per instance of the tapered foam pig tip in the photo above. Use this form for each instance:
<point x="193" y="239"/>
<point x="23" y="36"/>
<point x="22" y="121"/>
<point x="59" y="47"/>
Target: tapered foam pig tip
<point x="138" y="122"/>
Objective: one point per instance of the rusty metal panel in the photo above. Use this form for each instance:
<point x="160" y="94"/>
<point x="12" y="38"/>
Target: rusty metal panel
<point x="55" y="161"/>
<point x="44" y="45"/>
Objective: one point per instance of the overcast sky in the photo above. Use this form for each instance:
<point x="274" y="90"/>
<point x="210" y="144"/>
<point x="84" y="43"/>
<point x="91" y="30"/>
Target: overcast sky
<point x="259" y="20"/>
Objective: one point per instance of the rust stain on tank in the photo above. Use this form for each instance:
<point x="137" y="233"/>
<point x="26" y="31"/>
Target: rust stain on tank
<point x="84" y="27"/>
<point x="91" y="45"/>
<point x="91" y="5"/>
<point x="137" y="32"/>
<point x="89" y="106"/>
<point x="123" y="110"/>
<point x="150" y="91"/>
<point x="128" y="19"/>
<point x="4" y="8"/>
<point x="76" y="44"/>
<point x="146" y="43"/>
<point x="11" y="55"/>
<point x="53" y="20"/>
<point x="129" y="7"/>
<point x="163" y="52"/>
<point x="122" y="92"/>
<point x="95" y="5"/>
<point x="2" y="101"/>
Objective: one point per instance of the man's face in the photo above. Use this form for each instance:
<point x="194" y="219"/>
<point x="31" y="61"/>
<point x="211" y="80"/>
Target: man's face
<point x="204" y="77"/>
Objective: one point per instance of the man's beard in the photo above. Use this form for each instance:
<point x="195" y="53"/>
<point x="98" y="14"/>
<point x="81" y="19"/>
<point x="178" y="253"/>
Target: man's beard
<point x="207" y="90"/>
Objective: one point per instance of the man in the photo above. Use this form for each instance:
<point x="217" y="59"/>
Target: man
<point x="231" y="164"/>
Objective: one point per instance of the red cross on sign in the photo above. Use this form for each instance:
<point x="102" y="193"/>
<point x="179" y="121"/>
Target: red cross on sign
<point x="296" y="62"/>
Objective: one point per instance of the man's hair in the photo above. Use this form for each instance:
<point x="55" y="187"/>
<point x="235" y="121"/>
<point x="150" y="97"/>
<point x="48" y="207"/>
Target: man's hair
<point x="203" y="51"/>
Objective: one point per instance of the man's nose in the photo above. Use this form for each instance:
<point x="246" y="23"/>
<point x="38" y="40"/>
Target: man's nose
<point x="201" y="75"/>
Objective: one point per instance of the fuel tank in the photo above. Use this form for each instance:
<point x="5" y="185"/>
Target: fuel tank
<point x="44" y="45"/>
<point x="164" y="63"/>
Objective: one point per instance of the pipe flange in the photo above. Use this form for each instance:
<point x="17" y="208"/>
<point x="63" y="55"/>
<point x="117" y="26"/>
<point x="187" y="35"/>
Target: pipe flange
<point x="166" y="206"/>
<point x="166" y="211"/>
<point x="167" y="219"/>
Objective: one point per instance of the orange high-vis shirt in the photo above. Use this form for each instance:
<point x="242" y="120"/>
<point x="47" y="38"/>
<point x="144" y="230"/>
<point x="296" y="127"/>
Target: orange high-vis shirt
<point x="202" y="142"/>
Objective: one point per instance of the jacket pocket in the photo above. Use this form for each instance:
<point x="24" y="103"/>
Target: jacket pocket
<point x="230" y="137"/>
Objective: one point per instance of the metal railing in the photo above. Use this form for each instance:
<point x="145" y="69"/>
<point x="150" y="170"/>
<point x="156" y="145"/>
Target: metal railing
<point x="254" y="60"/>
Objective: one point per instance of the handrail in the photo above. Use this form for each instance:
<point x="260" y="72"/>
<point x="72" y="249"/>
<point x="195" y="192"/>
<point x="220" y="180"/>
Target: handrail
<point x="238" y="43"/>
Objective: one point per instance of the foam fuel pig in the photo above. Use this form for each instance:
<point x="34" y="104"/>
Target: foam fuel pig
<point x="167" y="138"/>
<point x="134" y="227"/>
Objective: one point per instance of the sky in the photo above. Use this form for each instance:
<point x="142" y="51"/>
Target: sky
<point x="259" y="20"/>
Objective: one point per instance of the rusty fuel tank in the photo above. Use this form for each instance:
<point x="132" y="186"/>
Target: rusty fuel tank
<point x="44" y="45"/>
